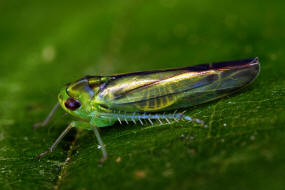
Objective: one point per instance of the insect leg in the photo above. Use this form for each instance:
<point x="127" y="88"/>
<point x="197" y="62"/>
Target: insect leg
<point x="133" y="118"/>
<point x="188" y="118"/>
<point x="156" y="116"/>
<point x="126" y="118"/>
<point x="56" y="141"/>
<point x="104" y="152"/>
<point x="119" y="121"/>
<point x="140" y="121"/>
<point x="173" y="115"/>
<point x="159" y="121"/>
<point x="167" y="120"/>
<point x="126" y="121"/>
<point x="45" y="122"/>
<point x="150" y="121"/>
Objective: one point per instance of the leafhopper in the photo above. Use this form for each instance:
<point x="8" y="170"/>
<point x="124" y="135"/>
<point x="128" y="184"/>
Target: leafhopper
<point x="100" y="101"/>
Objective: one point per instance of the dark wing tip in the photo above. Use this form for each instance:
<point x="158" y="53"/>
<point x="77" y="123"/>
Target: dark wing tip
<point x="237" y="63"/>
<point x="223" y="65"/>
<point x="254" y="60"/>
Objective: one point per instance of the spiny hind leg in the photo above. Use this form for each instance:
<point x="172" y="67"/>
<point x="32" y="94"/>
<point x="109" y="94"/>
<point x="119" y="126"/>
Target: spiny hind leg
<point x="181" y="116"/>
<point x="161" y="118"/>
<point x="201" y="122"/>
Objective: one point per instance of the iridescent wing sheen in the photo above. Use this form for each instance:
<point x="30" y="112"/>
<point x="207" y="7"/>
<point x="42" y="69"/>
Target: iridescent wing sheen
<point x="162" y="90"/>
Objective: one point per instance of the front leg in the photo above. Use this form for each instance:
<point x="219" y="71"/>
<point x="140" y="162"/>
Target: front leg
<point x="78" y="124"/>
<point x="47" y="119"/>
<point x="71" y="125"/>
<point x="82" y="125"/>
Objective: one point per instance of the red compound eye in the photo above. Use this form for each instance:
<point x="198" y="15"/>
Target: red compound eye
<point x="72" y="104"/>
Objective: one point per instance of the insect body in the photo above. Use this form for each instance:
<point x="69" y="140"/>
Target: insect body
<point x="101" y="101"/>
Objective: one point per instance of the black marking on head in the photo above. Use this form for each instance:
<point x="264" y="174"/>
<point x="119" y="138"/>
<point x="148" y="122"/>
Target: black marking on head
<point x="72" y="104"/>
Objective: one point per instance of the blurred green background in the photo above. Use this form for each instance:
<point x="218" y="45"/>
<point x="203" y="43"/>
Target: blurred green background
<point x="46" y="44"/>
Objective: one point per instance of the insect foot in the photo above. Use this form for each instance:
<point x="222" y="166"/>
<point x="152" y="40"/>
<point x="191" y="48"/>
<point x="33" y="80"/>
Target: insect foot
<point x="102" y="160"/>
<point x="43" y="154"/>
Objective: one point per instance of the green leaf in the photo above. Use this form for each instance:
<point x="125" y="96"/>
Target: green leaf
<point x="44" y="45"/>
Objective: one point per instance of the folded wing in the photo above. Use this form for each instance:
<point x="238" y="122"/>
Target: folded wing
<point x="164" y="90"/>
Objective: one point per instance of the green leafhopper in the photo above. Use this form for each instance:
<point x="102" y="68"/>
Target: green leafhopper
<point x="100" y="101"/>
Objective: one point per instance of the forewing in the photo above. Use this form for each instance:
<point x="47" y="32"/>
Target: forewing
<point x="170" y="89"/>
<point x="152" y="92"/>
